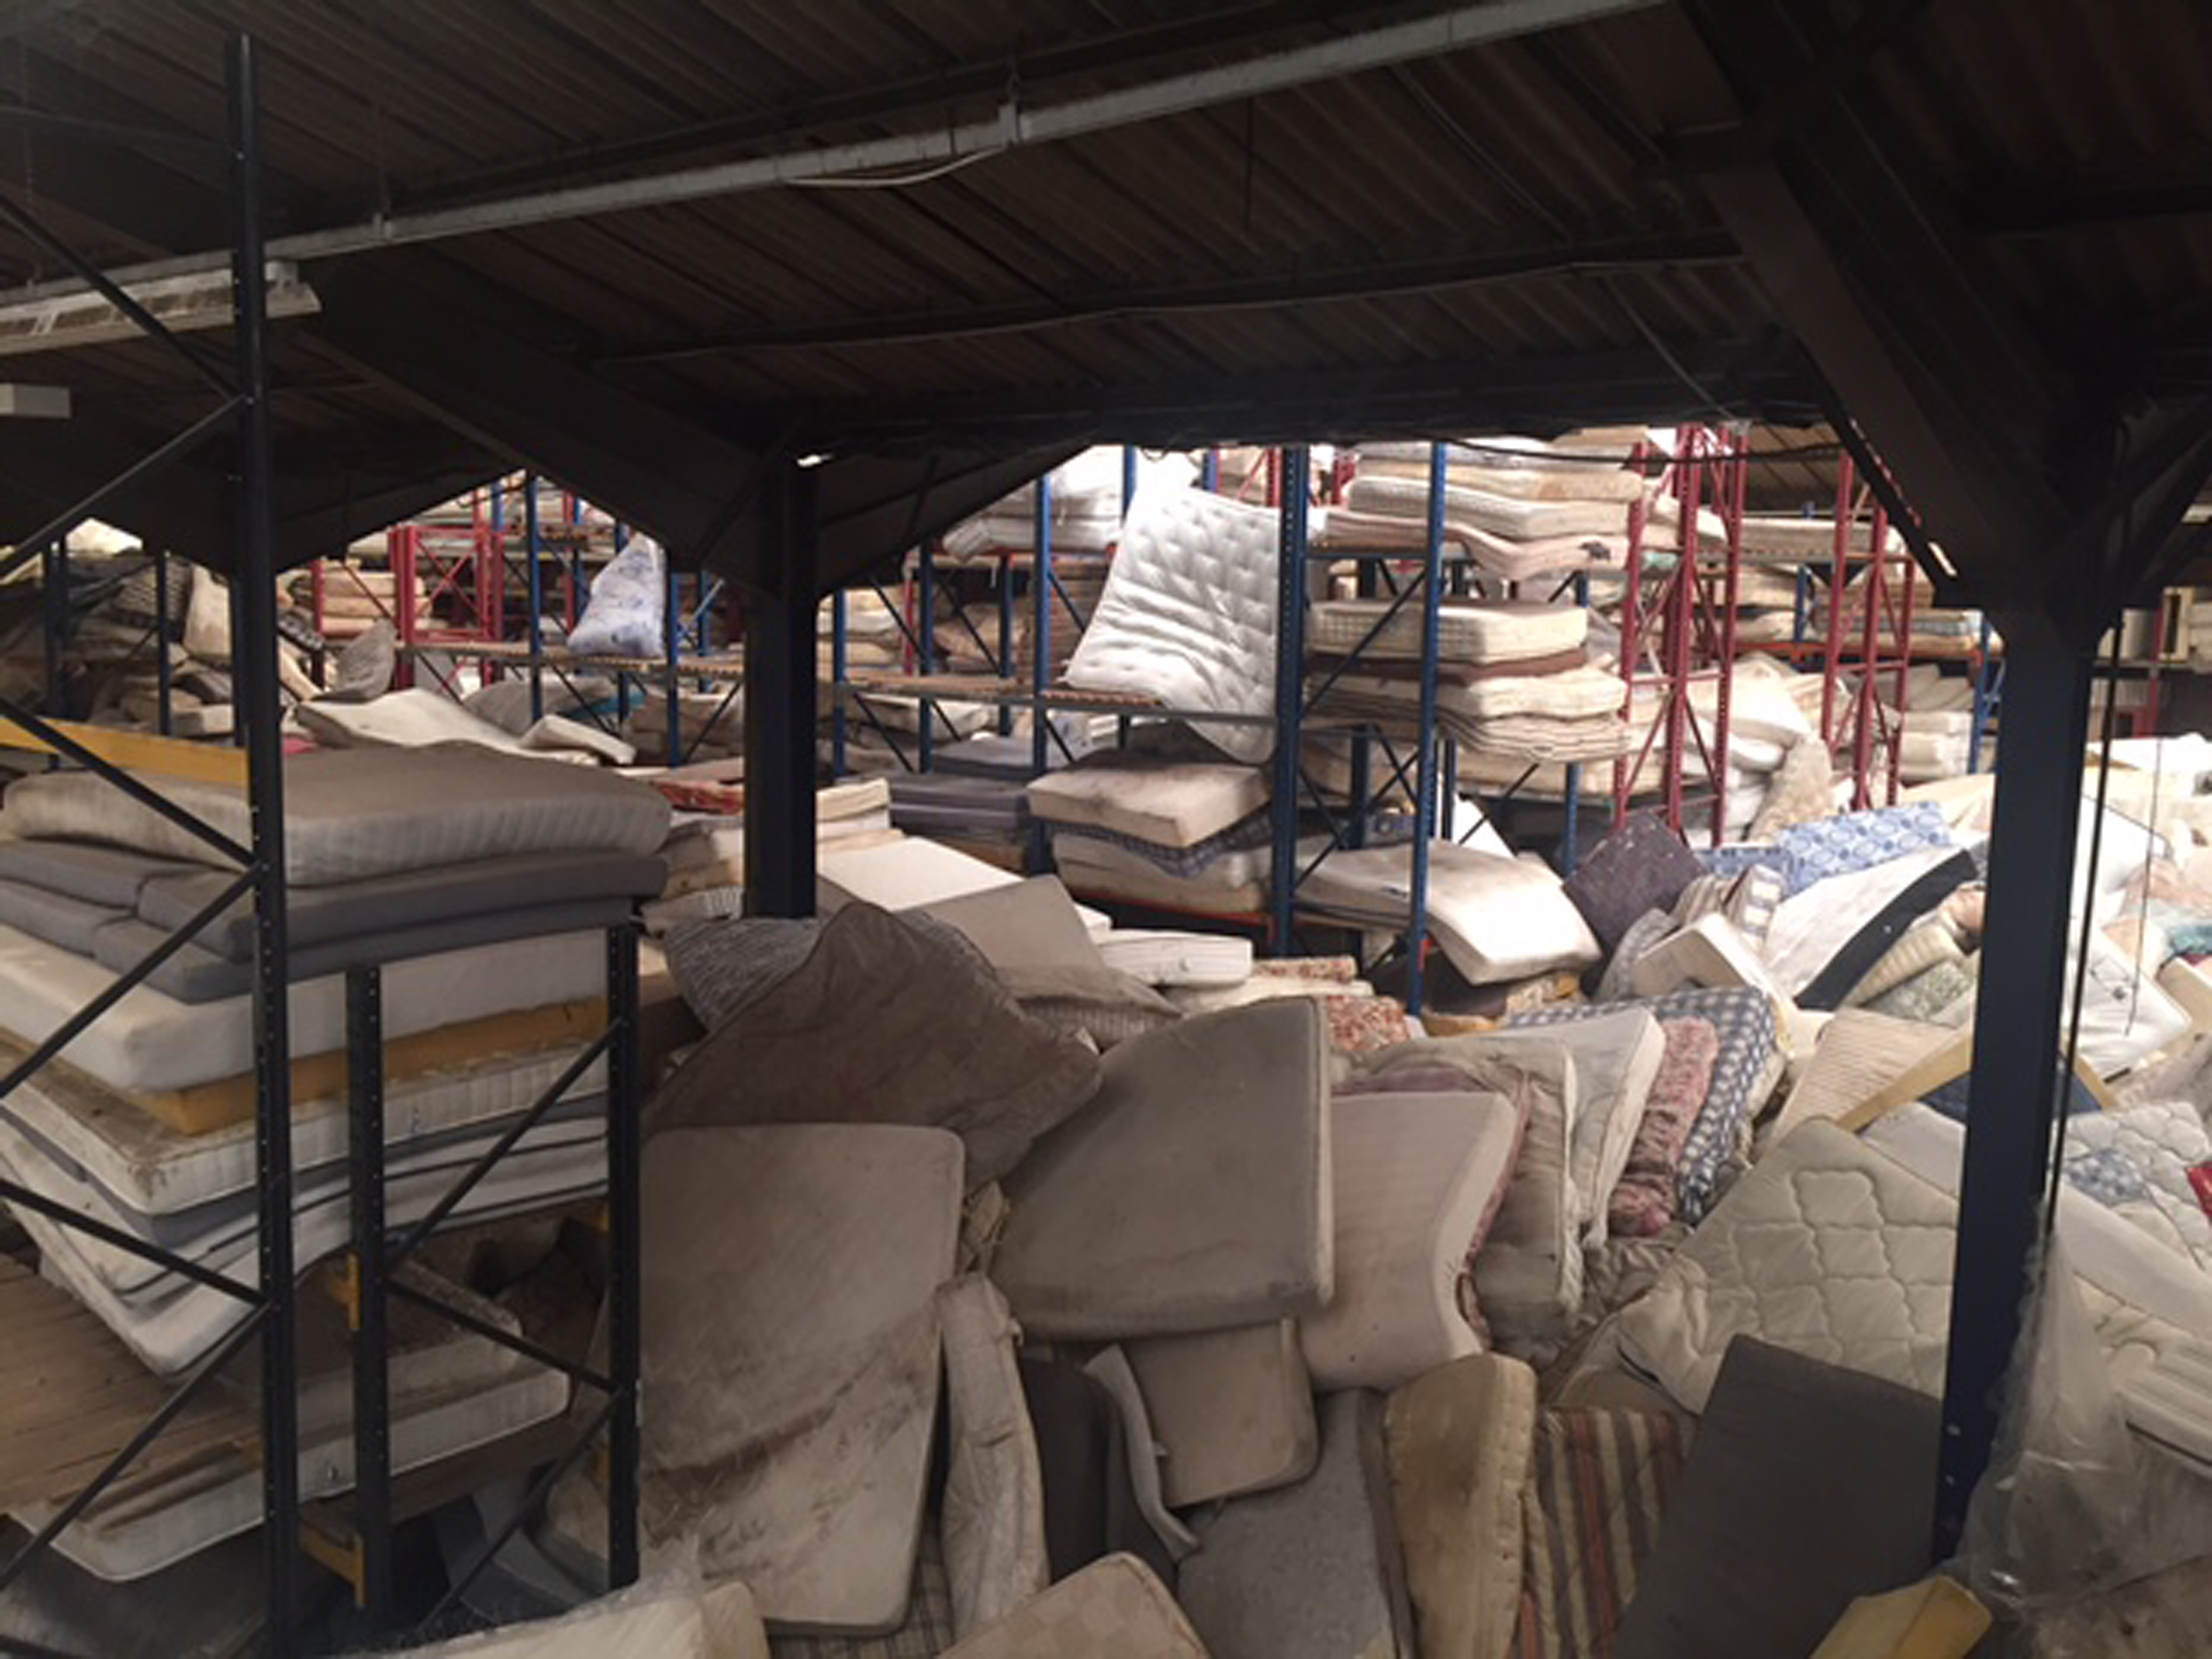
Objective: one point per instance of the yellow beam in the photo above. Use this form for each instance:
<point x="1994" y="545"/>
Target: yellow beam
<point x="139" y="752"/>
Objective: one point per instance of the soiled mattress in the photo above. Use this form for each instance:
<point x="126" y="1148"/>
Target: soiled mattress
<point x="154" y="1042"/>
<point x="355" y="813"/>
<point x="451" y="1394"/>
<point x="174" y="1332"/>
<point x="1188" y="613"/>
<point x="1467" y="631"/>
<point x="795" y="1389"/>
<point x="1415" y="1177"/>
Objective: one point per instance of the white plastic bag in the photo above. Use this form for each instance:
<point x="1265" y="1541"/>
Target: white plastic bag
<point x="628" y="606"/>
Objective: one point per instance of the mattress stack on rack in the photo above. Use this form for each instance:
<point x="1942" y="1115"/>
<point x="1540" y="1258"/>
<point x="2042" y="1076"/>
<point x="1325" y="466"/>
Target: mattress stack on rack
<point x="1936" y="727"/>
<point x="482" y="884"/>
<point x="705" y="851"/>
<point x="711" y="724"/>
<point x="356" y="598"/>
<point x="1934" y="627"/>
<point x="1152" y="831"/>
<point x="874" y="637"/>
<point x="485" y="883"/>
<point x="1514" y="681"/>
<point x="1520" y="508"/>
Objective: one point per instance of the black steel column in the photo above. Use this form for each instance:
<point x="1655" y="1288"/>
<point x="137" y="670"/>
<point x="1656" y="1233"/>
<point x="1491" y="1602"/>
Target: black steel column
<point x="164" y="690"/>
<point x="625" y="1323"/>
<point x="2019" y="1026"/>
<point x="1289" y="691"/>
<point x="779" y="690"/>
<point x="372" y="1414"/>
<point x="253" y="660"/>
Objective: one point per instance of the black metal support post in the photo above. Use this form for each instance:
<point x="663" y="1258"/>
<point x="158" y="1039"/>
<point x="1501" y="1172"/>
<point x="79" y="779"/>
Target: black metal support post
<point x="2018" y="1028"/>
<point x="255" y="660"/>
<point x="369" y="1305"/>
<point x="779" y="690"/>
<point x="164" y="691"/>
<point x="1290" y="690"/>
<point x="625" y="1317"/>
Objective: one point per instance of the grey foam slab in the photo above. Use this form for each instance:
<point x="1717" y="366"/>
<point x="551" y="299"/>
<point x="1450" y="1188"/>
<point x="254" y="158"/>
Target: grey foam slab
<point x="417" y="898"/>
<point x="1313" y="1571"/>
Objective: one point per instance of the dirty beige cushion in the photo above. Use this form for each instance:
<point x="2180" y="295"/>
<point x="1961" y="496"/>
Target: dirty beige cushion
<point x="885" y="1020"/>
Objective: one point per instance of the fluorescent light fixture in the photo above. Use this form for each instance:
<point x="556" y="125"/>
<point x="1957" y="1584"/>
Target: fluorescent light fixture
<point x="34" y="403"/>
<point x="179" y="303"/>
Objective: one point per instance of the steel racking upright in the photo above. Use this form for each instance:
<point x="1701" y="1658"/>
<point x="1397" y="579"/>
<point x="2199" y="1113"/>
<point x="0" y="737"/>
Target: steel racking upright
<point x="240" y="388"/>
<point x="1684" y="621"/>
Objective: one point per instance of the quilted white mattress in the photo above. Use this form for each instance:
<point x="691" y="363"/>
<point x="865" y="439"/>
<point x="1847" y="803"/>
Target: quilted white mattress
<point x="352" y="813"/>
<point x="1501" y="516"/>
<point x="1467" y="631"/>
<point x="1188" y="613"/>
<point x="151" y="1041"/>
<point x="1841" y="1248"/>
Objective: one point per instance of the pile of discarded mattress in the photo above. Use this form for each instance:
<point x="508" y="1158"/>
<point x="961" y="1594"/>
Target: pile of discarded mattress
<point x="482" y="885"/>
<point x="1513" y="680"/>
<point x="705" y="850"/>
<point x="1268" y="1330"/>
<point x="1519" y="508"/>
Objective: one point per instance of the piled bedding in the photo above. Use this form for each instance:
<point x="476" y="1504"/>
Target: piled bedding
<point x="481" y="884"/>
<point x="1513" y="679"/>
<point x="1149" y="830"/>
<point x="1519" y="507"/>
<point x="705" y="851"/>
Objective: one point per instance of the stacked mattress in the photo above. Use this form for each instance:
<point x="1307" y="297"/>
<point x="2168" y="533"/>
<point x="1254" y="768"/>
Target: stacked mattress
<point x="1519" y="507"/>
<point x="1513" y="679"/>
<point x="1149" y="830"/>
<point x="705" y="852"/>
<point x="440" y="865"/>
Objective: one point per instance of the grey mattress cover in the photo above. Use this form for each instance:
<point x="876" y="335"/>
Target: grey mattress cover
<point x="111" y="876"/>
<point x="197" y="975"/>
<point x="414" y="898"/>
<point x="54" y="917"/>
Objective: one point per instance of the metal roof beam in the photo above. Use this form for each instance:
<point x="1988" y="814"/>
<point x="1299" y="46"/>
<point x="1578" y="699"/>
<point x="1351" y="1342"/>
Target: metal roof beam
<point x="1561" y="260"/>
<point x="1490" y="394"/>
<point x="1873" y="275"/>
<point x="459" y="366"/>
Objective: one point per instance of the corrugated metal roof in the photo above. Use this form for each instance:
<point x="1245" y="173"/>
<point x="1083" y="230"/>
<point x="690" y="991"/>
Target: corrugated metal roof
<point x="1093" y="285"/>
